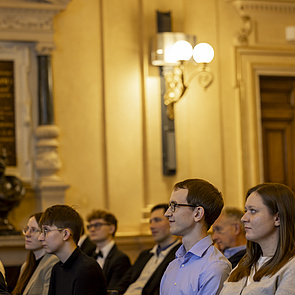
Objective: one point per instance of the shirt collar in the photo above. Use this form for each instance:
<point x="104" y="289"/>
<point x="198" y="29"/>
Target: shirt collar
<point x="198" y="249"/>
<point x="166" y="249"/>
<point x="106" y="248"/>
<point x="232" y="251"/>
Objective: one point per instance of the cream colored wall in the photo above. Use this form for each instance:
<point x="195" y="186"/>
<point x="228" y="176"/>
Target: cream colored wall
<point x="107" y="104"/>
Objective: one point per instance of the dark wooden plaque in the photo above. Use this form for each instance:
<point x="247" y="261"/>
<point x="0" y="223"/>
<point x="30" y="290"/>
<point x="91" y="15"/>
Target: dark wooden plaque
<point x="7" y="111"/>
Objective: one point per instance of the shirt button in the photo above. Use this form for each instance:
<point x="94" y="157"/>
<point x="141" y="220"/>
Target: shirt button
<point x="175" y="284"/>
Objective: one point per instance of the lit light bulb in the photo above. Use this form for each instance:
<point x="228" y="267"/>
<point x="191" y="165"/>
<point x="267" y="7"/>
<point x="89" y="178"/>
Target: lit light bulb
<point x="203" y="53"/>
<point x="182" y="50"/>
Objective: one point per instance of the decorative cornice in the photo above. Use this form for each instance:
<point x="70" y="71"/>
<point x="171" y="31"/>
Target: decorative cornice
<point x="250" y="7"/>
<point x="30" y="20"/>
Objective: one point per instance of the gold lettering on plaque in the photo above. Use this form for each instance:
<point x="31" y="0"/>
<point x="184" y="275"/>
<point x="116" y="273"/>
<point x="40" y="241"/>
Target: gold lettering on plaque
<point x="7" y="111"/>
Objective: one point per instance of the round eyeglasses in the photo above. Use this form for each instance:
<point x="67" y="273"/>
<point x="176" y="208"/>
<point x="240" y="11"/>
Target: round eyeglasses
<point x="45" y="231"/>
<point x="31" y="231"/>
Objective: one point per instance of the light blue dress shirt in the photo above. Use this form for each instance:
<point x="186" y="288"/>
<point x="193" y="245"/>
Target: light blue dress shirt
<point x="202" y="270"/>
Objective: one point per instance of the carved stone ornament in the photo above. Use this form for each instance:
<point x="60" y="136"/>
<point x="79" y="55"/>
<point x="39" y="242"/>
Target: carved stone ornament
<point x="30" y="20"/>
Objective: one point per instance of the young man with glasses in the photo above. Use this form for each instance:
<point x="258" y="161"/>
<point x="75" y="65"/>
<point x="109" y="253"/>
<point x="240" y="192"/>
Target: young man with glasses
<point x="102" y="227"/>
<point x="199" y="267"/>
<point x="76" y="273"/>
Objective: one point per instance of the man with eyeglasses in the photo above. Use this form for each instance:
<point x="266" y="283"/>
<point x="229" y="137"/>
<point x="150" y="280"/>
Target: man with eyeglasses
<point x="76" y="273"/>
<point x="199" y="267"/>
<point x="102" y="226"/>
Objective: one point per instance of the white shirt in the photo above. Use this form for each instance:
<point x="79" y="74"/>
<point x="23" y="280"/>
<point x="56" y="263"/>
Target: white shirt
<point x="259" y="263"/>
<point x="105" y="250"/>
<point x="148" y="270"/>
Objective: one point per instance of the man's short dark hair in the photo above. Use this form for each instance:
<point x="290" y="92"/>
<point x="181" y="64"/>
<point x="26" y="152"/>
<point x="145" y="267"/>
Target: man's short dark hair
<point x="163" y="206"/>
<point x="203" y="193"/>
<point x="107" y="216"/>
<point x="63" y="216"/>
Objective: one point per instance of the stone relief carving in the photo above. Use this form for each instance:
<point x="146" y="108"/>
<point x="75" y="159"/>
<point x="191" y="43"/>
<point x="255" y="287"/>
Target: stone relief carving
<point x="16" y="19"/>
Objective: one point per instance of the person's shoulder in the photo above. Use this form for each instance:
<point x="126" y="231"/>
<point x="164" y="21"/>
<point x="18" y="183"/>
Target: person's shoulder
<point x="117" y="252"/>
<point x="217" y="258"/>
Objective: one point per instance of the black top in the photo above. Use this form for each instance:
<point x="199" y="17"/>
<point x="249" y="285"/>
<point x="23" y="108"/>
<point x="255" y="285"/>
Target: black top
<point x="235" y="259"/>
<point x="79" y="275"/>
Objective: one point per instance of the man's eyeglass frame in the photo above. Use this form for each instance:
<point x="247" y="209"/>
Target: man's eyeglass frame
<point x="173" y="206"/>
<point x="97" y="225"/>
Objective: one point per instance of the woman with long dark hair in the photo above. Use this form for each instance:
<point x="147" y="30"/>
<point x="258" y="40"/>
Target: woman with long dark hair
<point x="36" y="271"/>
<point x="268" y="266"/>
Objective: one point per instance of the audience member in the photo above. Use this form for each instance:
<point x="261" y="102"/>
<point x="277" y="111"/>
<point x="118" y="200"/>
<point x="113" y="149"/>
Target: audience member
<point x="145" y="275"/>
<point x="229" y="234"/>
<point x="36" y="271"/>
<point x="199" y="267"/>
<point x="114" y="263"/>
<point x="269" y="264"/>
<point x="85" y="244"/>
<point x="76" y="273"/>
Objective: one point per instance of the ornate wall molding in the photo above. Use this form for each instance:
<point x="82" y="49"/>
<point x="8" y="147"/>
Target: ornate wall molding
<point x="29" y="20"/>
<point x="250" y="7"/>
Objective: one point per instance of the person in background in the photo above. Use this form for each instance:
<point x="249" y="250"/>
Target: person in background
<point x="145" y="275"/>
<point x="102" y="227"/>
<point x="199" y="267"/>
<point x="229" y="234"/>
<point x="36" y="271"/>
<point x="76" y="273"/>
<point x="85" y="244"/>
<point x="269" y="264"/>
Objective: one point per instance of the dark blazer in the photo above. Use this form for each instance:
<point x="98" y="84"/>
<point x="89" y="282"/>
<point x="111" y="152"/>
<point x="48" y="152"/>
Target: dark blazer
<point x="152" y="287"/>
<point x="116" y="264"/>
<point x="88" y="247"/>
<point x="235" y="259"/>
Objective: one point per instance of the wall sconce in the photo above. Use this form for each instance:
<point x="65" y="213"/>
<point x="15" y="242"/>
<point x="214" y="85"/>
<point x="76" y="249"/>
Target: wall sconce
<point x="172" y="51"/>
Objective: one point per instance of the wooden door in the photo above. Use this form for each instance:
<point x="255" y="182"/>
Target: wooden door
<point x="278" y="129"/>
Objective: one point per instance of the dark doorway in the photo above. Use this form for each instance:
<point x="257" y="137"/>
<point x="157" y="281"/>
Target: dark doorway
<point x="278" y="129"/>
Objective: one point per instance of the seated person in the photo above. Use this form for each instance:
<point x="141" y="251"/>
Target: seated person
<point x="114" y="263"/>
<point x="36" y="271"/>
<point x="199" y="267"/>
<point x="269" y="264"/>
<point x="145" y="275"/>
<point x="76" y="273"/>
<point x="229" y="234"/>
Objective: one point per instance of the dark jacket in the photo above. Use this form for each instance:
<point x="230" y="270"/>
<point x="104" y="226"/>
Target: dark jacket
<point x="235" y="259"/>
<point x="88" y="247"/>
<point x="153" y="285"/>
<point x="116" y="264"/>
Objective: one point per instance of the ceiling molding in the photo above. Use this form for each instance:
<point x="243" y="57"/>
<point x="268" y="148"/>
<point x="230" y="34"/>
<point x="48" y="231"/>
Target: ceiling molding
<point x="253" y="7"/>
<point x="31" y="21"/>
